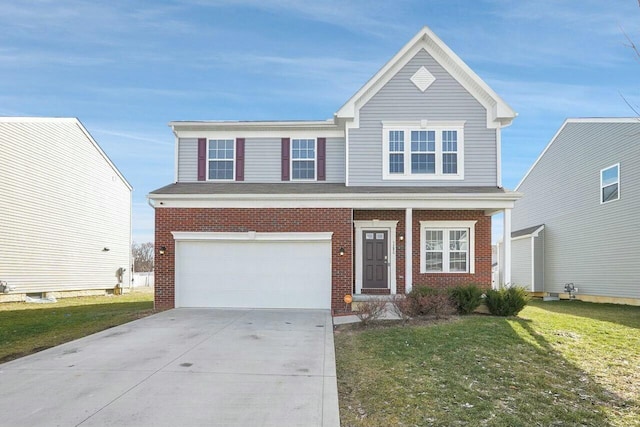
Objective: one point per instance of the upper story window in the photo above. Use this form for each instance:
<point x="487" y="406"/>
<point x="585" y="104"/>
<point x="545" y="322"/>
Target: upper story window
<point x="303" y="159"/>
<point x="221" y="159"/>
<point x="423" y="150"/>
<point x="610" y="184"/>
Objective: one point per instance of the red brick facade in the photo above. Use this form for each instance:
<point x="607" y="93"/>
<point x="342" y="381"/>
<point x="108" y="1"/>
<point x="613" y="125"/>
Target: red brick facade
<point x="482" y="276"/>
<point x="338" y="221"/>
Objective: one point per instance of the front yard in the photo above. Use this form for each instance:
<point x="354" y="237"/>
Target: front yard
<point x="564" y="363"/>
<point x="28" y="328"/>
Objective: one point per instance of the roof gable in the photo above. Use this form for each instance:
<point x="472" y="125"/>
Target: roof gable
<point x="499" y="113"/>
<point x="578" y="121"/>
<point x="69" y="121"/>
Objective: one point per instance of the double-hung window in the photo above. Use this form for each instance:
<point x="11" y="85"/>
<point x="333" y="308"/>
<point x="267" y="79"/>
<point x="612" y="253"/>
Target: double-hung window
<point x="423" y="150"/>
<point x="303" y="159"/>
<point x="221" y="159"/>
<point x="610" y="184"/>
<point x="447" y="246"/>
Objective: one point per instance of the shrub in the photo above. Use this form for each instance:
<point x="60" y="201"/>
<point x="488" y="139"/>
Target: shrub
<point x="466" y="298"/>
<point x="404" y="307"/>
<point x="431" y="302"/>
<point x="370" y="310"/>
<point x="506" y="302"/>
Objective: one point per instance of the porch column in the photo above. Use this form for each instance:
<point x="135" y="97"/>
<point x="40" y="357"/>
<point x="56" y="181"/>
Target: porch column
<point x="408" y="250"/>
<point x="506" y="248"/>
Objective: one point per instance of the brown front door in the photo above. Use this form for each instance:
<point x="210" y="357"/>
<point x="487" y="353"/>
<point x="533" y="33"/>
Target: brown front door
<point x="375" y="259"/>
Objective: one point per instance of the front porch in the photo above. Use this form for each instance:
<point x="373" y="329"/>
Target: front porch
<point x="439" y="248"/>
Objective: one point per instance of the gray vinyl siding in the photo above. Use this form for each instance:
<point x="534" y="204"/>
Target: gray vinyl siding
<point x="521" y="262"/>
<point x="593" y="245"/>
<point x="188" y="160"/>
<point x="335" y="167"/>
<point x="538" y="262"/>
<point x="61" y="203"/>
<point x="262" y="162"/>
<point x="401" y="100"/>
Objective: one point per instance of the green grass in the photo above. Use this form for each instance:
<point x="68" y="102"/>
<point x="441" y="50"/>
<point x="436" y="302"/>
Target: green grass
<point x="28" y="328"/>
<point x="564" y="363"/>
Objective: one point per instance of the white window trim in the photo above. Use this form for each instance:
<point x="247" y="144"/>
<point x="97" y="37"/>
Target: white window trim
<point x="407" y="127"/>
<point x="233" y="173"/>
<point x="447" y="225"/>
<point x="602" y="202"/>
<point x="315" y="160"/>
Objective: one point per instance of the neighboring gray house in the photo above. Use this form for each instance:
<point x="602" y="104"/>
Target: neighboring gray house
<point x="578" y="219"/>
<point x="396" y="190"/>
<point x="65" y="211"/>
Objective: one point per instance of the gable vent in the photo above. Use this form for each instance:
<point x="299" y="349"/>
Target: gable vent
<point x="422" y="79"/>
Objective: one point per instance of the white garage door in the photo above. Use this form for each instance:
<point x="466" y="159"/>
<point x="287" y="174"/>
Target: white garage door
<point x="256" y="270"/>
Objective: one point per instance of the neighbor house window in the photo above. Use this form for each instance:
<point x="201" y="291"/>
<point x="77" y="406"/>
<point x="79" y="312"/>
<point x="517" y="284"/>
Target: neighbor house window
<point x="303" y="159"/>
<point x="610" y="184"/>
<point x="221" y="159"/>
<point x="447" y="246"/>
<point x="423" y="150"/>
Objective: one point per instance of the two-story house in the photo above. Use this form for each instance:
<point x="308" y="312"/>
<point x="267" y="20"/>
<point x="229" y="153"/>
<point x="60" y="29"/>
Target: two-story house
<point x="396" y="190"/>
<point x="577" y="220"/>
<point x="65" y="212"/>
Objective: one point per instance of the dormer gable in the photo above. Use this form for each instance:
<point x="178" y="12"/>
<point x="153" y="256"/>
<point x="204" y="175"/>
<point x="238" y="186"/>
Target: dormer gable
<point x="499" y="113"/>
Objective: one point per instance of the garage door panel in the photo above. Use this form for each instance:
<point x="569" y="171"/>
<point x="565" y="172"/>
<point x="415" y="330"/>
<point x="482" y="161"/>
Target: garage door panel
<point x="263" y="274"/>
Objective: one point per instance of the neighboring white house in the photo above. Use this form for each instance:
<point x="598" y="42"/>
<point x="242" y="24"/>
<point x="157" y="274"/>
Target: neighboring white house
<point x="65" y="211"/>
<point x="578" y="219"/>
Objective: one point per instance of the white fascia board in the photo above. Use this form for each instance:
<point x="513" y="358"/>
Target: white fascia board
<point x="251" y="236"/>
<point x="39" y="120"/>
<point x="603" y="120"/>
<point x="499" y="113"/>
<point x="316" y="201"/>
<point x="241" y="125"/>
<point x="263" y="133"/>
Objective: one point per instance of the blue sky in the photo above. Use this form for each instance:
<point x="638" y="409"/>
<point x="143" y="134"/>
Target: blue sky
<point x="127" y="68"/>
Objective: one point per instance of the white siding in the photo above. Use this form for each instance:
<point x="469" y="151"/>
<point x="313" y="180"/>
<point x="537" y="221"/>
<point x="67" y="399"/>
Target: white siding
<point x="593" y="245"/>
<point x="521" y="262"/>
<point x="444" y="100"/>
<point x="61" y="203"/>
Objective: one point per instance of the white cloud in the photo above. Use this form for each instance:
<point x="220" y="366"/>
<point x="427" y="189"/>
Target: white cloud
<point x="361" y="16"/>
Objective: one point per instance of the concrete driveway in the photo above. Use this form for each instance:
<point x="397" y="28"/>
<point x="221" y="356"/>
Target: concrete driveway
<point x="183" y="367"/>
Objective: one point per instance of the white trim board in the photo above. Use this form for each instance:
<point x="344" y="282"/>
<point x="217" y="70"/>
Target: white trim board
<point x="252" y="236"/>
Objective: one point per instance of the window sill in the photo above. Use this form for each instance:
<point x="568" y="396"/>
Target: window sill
<point x="422" y="177"/>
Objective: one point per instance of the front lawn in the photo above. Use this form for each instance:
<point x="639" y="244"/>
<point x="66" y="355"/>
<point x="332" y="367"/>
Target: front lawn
<point x="564" y="363"/>
<point x="28" y="328"/>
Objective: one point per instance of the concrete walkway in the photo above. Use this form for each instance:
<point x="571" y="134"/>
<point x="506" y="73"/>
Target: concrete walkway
<point x="184" y="367"/>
